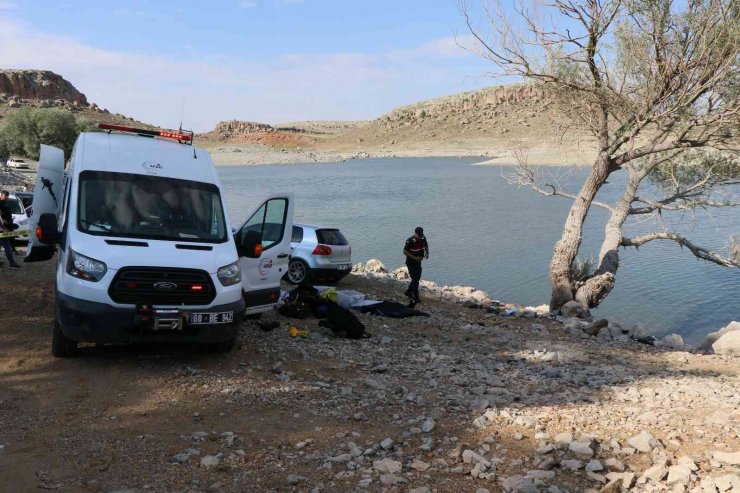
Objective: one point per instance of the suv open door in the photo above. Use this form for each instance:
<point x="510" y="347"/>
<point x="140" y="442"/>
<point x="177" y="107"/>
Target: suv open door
<point x="47" y="199"/>
<point x="263" y="244"/>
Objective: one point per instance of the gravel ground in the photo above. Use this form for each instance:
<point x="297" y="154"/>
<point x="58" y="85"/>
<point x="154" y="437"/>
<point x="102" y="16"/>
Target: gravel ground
<point x="462" y="400"/>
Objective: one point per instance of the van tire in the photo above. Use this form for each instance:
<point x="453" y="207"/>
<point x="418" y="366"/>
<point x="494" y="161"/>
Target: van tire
<point x="61" y="345"/>
<point x="298" y="272"/>
<point x="222" y="347"/>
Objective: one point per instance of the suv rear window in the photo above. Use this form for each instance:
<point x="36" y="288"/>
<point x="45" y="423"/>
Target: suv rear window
<point x="331" y="237"/>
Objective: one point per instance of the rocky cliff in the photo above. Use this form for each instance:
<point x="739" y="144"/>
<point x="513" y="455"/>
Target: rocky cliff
<point x="39" y="84"/>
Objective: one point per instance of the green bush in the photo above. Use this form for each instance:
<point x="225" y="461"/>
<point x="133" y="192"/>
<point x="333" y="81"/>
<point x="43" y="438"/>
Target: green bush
<point x="26" y="129"/>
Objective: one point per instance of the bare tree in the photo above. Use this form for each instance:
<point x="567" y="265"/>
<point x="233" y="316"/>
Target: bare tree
<point x="656" y="83"/>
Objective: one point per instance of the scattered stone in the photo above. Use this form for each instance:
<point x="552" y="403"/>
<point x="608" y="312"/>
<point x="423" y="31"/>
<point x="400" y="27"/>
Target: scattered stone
<point x="419" y="465"/>
<point x="572" y="464"/>
<point x="728" y="344"/>
<point x="388" y="466"/>
<point x="673" y="341"/>
<point x="679" y="474"/>
<point x="294" y="479"/>
<point x="728" y="482"/>
<point x="654" y="474"/>
<point x="729" y="458"/>
<point x="613" y="486"/>
<point x="470" y="457"/>
<point x="387" y="444"/>
<point x="518" y="484"/>
<point x="562" y="440"/>
<point x="644" y="442"/>
<point x="582" y="450"/>
<point x="594" y="466"/>
<point x="427" y="425"/>
<point x="420" y="489"/>
<point x="210" y="460"/>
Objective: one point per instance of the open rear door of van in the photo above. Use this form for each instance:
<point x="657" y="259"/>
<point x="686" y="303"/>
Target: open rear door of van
<point x="261" y="276"/>
<point x="47" y="198"/>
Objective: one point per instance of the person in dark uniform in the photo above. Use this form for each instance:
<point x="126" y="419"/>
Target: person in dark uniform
<point x="415" y="250"/>
<point x="6" y="224"/>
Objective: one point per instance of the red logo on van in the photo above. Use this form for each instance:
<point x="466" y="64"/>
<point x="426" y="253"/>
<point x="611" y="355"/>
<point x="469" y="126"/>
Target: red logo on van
<point x="265" y="266"/>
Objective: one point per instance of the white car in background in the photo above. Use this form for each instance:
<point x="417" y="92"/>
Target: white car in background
<point x="20" y="217"/>
<point x="318" y="253"/>
<point x="17" y="164"/>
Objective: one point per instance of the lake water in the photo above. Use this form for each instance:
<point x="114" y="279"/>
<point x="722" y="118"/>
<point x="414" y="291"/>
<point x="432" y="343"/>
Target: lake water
<point x="486" y="233"/>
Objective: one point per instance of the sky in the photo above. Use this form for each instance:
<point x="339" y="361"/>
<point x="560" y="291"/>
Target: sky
<point x="271" y="61"/>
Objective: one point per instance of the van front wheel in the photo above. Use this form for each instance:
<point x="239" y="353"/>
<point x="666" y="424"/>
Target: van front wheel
<point x="61" y="345"/>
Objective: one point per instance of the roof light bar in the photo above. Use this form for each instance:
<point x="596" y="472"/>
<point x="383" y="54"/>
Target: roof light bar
<point x="186" y="138"/>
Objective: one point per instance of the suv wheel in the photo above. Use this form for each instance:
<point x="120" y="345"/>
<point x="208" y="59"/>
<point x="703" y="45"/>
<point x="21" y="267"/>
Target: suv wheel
<point x="61" y="345"/>
<point x="298" y="271"/>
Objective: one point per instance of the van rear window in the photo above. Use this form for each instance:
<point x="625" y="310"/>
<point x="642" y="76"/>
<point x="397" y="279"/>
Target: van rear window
<point x="153" y="207"/>
<point x="331" y="237"/>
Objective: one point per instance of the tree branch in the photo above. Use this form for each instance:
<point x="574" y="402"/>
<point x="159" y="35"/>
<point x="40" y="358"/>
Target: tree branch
<point x="699" y="252"/>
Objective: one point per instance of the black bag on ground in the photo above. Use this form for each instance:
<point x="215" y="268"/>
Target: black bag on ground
<point x="340" y="320"/>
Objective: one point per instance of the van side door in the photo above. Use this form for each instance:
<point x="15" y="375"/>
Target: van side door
<point x="268" y="230"/>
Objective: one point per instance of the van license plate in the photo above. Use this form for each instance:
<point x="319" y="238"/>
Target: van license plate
<point x="211" y="318"/>
<point x="343" y="267"/>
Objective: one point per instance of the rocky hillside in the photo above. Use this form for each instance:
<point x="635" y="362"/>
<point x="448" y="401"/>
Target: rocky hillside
<point x="46" y="89"/>
<point x="39" y="84"/>
<point x="482" y="118"/>
<point x="246" y="132"/>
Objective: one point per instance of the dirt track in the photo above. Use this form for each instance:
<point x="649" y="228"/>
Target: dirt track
<point x="293" y="414"/>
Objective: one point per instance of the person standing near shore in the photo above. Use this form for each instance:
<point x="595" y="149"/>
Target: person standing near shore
<point x="6" y="224"/>
<point x="415" y="250"/>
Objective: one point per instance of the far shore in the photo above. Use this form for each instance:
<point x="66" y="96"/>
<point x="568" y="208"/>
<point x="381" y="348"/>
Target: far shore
<point x="256" y="154"/>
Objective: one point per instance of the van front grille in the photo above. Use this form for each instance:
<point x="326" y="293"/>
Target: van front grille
<point x="162" y="286"/>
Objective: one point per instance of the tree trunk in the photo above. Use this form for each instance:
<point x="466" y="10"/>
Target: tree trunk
<point x="598" y="286"/>
<point x="566" y="249"/>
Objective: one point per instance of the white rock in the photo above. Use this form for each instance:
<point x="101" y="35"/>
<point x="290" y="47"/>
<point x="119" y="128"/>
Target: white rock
<point x="572" y="464"/>
<point x="427" y="425"/>
<point x="728" y="344"/>
<point x="582" y="450"/>
<point x="562" y="440"/>
<point x="387" y="444"/>
<point x="728" y="482"/>
<point x="594" y="466"/>
<point x="388" y="466"/>
<point x="470" y="457"/>
<point x="654" y="474"/>
<point x="730" y="458"/>
<point x="518" y="484"/>
<point x="644" y="442"/>
<point x="210" y="460"/>
<point x="713" y="336"/>
<point x="375" y="266"/>
<point x="420" y="489"/>
<point x="419" y="465"/>
<point x="673" y="341"/>
<point x="679" y="474"/>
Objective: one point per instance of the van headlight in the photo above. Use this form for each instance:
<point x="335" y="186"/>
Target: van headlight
<point x="229" y="274"/>
<point x="86" y="268"/>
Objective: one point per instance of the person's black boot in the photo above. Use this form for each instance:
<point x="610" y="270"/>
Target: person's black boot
<point x="14" y="266"/>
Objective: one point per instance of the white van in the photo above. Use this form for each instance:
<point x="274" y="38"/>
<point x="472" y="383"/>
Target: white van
<point x="146" y="252"/>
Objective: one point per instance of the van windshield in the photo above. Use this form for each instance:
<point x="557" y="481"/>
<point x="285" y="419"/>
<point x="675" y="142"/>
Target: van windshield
<point x="152" y="207"/>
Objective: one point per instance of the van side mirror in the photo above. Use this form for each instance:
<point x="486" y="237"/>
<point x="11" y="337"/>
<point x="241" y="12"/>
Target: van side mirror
<point x="47" y="229"/>
<point x="250" y="245"/>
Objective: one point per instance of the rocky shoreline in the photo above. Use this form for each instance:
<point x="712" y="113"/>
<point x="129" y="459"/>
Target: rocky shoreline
<point x="574" y="318"/>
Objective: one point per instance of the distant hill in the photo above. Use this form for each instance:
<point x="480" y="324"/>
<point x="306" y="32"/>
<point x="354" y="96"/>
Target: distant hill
<point x="488" y="121"/>
<point x="45" y="89"/>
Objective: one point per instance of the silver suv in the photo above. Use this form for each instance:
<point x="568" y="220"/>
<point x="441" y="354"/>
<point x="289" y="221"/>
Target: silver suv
<point x="318" y="253"/>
